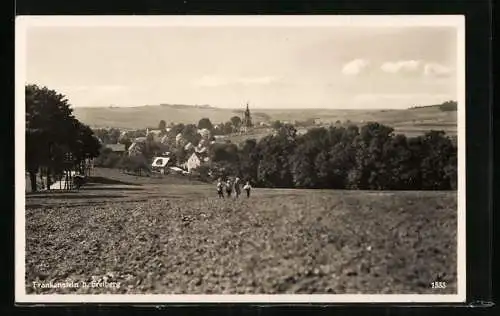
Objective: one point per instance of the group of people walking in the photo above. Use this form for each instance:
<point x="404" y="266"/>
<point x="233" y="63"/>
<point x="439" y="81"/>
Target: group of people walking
<point x="230" y="186"/>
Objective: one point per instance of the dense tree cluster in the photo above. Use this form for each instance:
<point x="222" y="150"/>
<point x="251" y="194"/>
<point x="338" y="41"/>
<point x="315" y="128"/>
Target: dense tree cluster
<point x="55" y="140"/>
<point x="447" y="106"/>
<point x="371" y="157"/>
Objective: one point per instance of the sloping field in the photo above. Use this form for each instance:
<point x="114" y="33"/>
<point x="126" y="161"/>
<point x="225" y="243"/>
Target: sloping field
<point x="170" y="238"/>
<point x="143" y="116"/>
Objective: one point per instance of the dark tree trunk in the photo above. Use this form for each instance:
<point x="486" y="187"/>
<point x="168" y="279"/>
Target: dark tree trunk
<point x="33" y="181"/>
<point x="48" y="179"/>
<point x="41" y="179"/>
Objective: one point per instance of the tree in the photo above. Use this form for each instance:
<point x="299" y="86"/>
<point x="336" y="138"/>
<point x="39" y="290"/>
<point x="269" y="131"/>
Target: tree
<point x="277" y="125"/>
<point x="125" y="140"/>
<point x="139" y="164"/>
<point x="308" y="147"/>
<point x="205" y="123"/>
<point x="249" y="160"/>
<point x="402" y="174"/>
<point x="103" y="135"/>
<point x="177" y="128"/>
<point x="162" y="125"/>
<point x="438" y="152"/>
<point x="448" y="106"/>
<point x="55" y="139"/>
<point x="114" y="135"/>
<point x="190" y="134"/>
<point x="287" y="131"/>
<point x="450" y="170"/>
<point x="226" y="155"/>
<point x="274" y="167"/>
<point x="370" y="165"/>
<point x="236" y="121"/>
<point x="228" y="128"/>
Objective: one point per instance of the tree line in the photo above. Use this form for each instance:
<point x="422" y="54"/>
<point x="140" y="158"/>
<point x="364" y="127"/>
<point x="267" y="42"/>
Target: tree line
<point x="370" y="158"/>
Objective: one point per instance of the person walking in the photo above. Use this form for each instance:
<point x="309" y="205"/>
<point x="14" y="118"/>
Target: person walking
<point x="220" y="189"/>
<point x="237" y="188"/>
<point x="229" y="187"/>
<point x="247" y="188"/>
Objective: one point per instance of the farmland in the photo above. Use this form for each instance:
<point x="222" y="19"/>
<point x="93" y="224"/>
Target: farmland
<point x="410" y="121"/>
<point x="172" y="236"/>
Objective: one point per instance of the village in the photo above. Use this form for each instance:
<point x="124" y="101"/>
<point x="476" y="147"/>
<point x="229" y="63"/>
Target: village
<point x="178" y="148"/>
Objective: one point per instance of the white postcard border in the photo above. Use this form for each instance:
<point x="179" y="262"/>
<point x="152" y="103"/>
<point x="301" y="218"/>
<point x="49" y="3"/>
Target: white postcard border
<point x="25" y="22"/>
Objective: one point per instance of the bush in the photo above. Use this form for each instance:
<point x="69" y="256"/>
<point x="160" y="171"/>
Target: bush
<point x="137" y="164"/>
<point x="107" y="159"/>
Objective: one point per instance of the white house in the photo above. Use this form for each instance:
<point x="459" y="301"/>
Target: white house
<point x="164" y="139"/>
<point x="178" y="138"/>
<point x="194" y="161"/>
<point x="160" y="164"/>
<point x="135" y="148"/>
<point x="205" y="133"/>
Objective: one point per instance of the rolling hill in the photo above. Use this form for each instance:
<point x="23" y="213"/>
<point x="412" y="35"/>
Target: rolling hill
<point x="410" y="121"/>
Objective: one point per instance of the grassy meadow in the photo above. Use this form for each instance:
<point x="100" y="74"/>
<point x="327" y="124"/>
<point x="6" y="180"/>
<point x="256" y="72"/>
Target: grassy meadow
<point x="171" y="235"/>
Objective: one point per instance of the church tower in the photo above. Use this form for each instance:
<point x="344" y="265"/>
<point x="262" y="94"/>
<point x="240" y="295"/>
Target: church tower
<point x="247" y="120"/>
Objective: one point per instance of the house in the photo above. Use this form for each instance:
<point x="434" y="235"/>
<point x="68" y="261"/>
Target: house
<point x="155" y="133"/>
<point x="179" y="138"/>
<point x="201" y="150"/>
<point x="160" y="164"/>
<point x="178" y="170"/>
<point x="194" y="161"/>
<point x="205" y="133"/>
<point x="164" y="139"/>
<point x="135" y="148"/>
<point x="188" y="146"/>
<point x="117" y="148"/>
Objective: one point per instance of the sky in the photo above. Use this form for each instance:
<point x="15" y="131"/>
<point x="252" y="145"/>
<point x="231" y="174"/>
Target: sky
<point x="270" y="67"/>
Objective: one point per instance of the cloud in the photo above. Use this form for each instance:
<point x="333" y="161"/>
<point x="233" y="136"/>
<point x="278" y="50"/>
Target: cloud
<point x="355" y="67"/>
<point x="218" y="81"/>
<point x="415" y="67"/>
<point x="406" y="66"/>
<point x="436" y="70"/>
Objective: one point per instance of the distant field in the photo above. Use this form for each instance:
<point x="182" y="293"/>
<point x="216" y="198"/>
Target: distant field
<point x="172" y="235"/>
<point x="406" y="121"/>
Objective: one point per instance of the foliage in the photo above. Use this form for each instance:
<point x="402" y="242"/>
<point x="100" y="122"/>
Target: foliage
<point x="370" y="158"/>
<point x="190" y="134"/>
<point x="162" y="125"/>
<point x="236" y="121"/>
<point x="205" y="123"/>
<point x="107" y="159"/>
<point x="448" y="106"/>
<point x="137" y="164"/>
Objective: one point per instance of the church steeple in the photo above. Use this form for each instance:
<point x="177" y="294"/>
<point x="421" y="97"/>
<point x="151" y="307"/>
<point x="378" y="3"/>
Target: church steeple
<point x="247" y="120"/>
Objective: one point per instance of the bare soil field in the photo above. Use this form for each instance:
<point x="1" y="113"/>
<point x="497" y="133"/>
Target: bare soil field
<point x="175" y="237"/>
